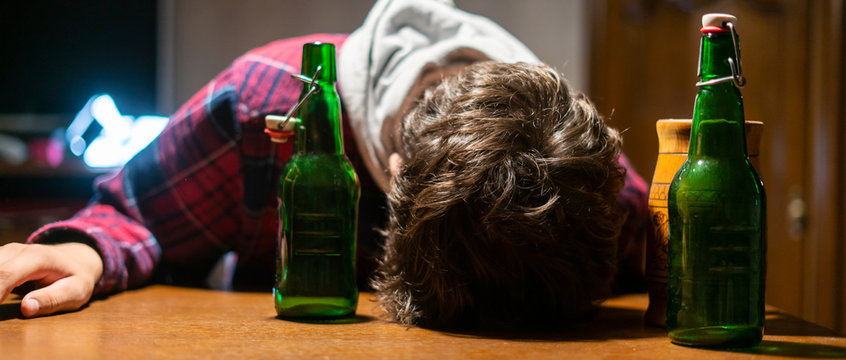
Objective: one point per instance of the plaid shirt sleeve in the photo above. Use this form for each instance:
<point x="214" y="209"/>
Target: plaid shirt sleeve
<point x="630" y="251"/>
<point x="205" y="186"/>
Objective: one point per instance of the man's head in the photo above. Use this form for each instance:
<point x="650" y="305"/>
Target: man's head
<point x="504" y="209"/>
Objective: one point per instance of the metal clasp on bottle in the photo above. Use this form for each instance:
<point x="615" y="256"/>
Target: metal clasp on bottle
<point x="280" y="128"/>
<point x="736" y="72"/>
<point x="313" y="88"/>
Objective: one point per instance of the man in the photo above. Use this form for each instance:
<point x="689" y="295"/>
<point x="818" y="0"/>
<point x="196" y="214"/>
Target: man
<point x="502" y="182"/>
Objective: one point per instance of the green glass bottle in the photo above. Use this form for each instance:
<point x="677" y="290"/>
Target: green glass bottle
<point x="318" y="203"/>
<point x="717" y="211"/>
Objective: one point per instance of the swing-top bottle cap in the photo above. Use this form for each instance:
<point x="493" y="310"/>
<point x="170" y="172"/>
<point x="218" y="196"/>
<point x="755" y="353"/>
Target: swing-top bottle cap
<point x="716" y="22"/>
<point x="280" y="128"/>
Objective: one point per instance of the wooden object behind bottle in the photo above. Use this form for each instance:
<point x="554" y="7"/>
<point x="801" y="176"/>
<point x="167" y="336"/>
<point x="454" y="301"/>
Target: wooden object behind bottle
<point x="673" y="144"/>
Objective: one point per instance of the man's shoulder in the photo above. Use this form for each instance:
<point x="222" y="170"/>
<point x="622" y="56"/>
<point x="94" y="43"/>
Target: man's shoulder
<point x="289" y="50"/>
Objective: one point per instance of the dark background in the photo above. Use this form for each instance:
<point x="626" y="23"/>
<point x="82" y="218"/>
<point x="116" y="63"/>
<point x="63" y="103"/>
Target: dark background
<point x="55" y="55"/>
<point x="58" y="53"/>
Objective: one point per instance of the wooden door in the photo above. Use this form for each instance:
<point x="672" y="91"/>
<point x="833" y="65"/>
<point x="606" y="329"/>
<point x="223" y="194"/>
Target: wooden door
<point x="644" y="61"/>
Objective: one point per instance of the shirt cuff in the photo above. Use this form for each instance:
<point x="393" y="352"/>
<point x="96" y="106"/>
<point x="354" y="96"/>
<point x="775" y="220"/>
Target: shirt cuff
<point x="116" y="275"/>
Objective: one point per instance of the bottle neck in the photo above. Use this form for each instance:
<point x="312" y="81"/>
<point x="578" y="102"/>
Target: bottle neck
<point x="718" y="128"/>
<point x="715" y="49"/>
<point x="320" y="123"/>
<point x="320" y="113"/>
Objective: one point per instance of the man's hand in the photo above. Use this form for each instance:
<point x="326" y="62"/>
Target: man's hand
<point x="63" y="274"/>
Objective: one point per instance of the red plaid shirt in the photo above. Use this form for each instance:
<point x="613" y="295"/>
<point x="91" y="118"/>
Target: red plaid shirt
<point x="207" y="185"/>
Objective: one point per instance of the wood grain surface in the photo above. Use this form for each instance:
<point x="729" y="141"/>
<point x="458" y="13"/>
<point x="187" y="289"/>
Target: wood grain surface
<point x="172" y="322"/>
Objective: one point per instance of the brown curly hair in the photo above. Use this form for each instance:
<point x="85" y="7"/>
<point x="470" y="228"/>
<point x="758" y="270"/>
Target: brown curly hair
<point x="504" y="212"/>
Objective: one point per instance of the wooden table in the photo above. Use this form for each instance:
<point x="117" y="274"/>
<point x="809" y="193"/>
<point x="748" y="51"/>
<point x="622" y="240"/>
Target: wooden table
<point x="174" y="322"/>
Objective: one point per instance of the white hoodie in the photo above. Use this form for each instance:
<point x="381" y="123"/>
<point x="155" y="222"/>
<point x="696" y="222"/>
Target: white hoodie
<point x="380" y="62"/>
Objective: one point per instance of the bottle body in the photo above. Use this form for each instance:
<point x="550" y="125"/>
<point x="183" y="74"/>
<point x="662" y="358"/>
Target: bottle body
<point x="716" y="255"/>
<point x="318" y="213"/>
<point x="318" y="196"/>
<point x="717" y="223"/>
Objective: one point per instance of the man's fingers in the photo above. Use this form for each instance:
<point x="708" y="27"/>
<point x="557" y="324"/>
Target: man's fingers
<point x="68" y="272"/>
<point x="65" y="294"/>
<point x="20" y="263"/>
